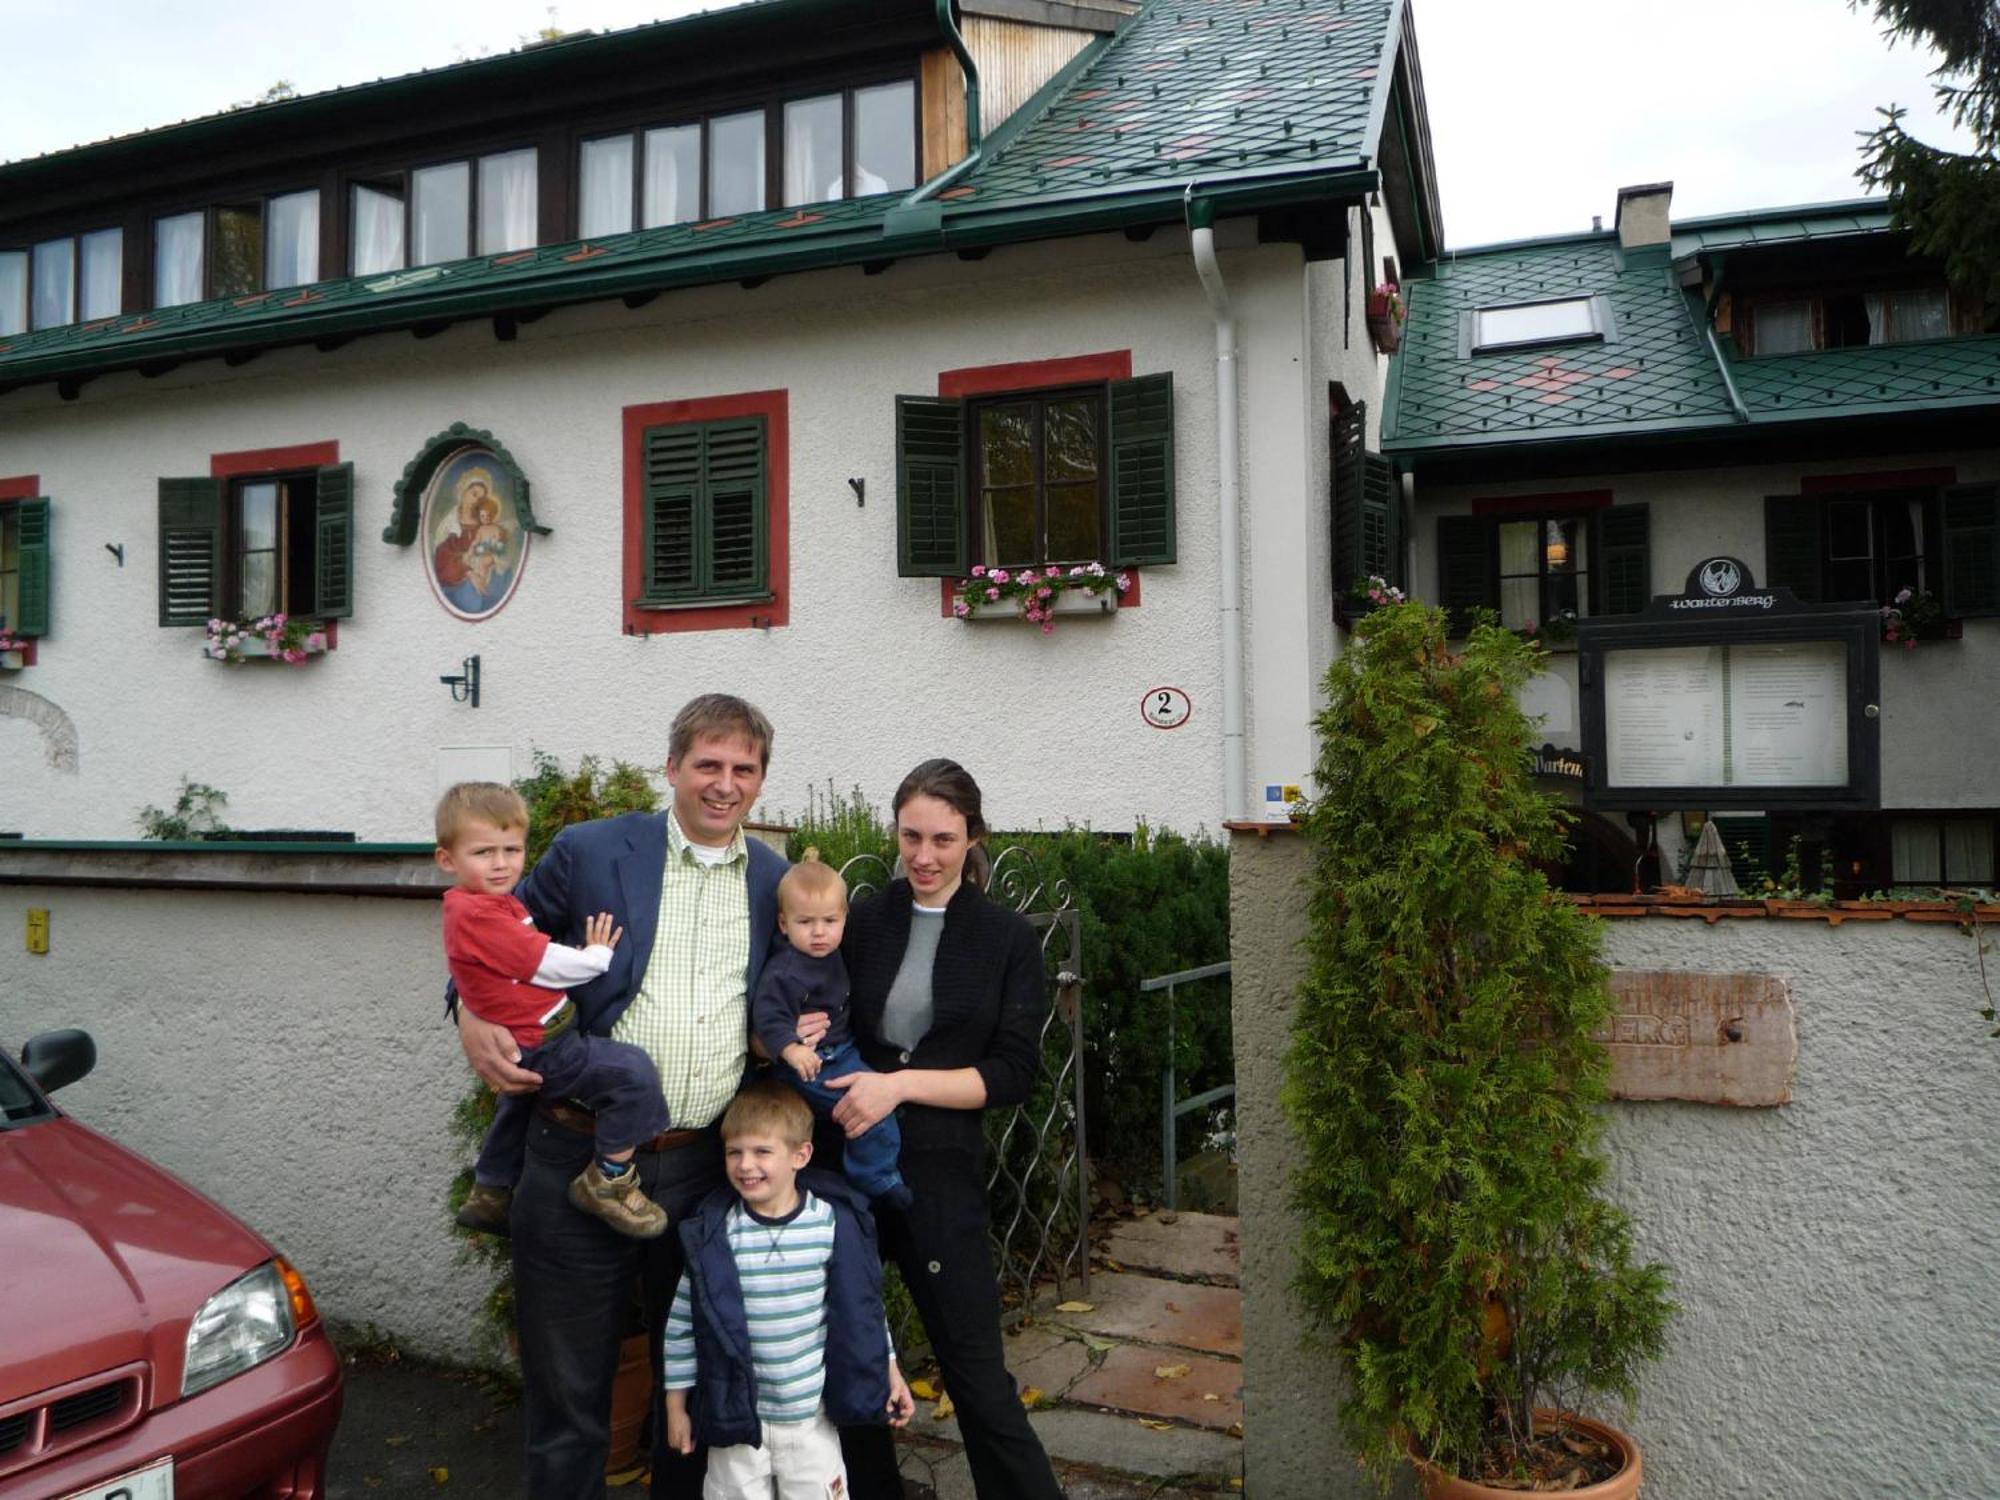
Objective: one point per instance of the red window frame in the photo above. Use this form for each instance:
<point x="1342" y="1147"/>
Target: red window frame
<point x="22" y="487"/>
<point x="1034" y="375"/>
<point x="251" y="461"/>
<point x="775" y="408"/>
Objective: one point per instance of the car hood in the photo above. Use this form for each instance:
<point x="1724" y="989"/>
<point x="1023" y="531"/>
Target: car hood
<point x="104" y="1260"/>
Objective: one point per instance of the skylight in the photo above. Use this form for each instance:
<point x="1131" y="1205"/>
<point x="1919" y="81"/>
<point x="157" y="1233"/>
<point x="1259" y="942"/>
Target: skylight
<point x="1536" y="323"/>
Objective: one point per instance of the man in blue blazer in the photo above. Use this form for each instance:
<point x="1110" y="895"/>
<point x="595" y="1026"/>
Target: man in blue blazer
<point x="698" y="902"/>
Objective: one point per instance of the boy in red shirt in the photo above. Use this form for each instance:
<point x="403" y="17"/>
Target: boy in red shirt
<point x="510" y="974"/>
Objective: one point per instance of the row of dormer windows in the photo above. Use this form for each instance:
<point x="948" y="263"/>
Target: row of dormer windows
<point x="851" y="143"/>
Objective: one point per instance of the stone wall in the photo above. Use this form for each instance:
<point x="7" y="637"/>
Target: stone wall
<point x="1833" y="1257"/>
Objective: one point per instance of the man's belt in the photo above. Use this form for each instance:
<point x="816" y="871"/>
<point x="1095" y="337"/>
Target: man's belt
<point x="584" y="1122"/>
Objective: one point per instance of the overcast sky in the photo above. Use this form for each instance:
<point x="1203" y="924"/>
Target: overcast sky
<point x="1540" y="110"/>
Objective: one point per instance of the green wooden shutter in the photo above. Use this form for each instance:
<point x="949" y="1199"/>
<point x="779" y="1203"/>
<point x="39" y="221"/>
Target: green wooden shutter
<point x="1795" y="546"/>
<point x="190" y="550"/>
<point x="1350" y="431"/>
<point x="1623" y="564"/>
<point x="1466" y="568"/>
<point x="333" y="552"/>
<point x="672" y="558"/>
<point x="32" y="518"/>
<point x="1142" y="471"/>
<point x="737" y="557"/>
<point x="1379" y="556"/>
<point x="1970" y="531"/>
<point x="930" y="488"/>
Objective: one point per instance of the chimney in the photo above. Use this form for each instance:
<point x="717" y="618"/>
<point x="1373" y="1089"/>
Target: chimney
<point x="1642" y="215"/>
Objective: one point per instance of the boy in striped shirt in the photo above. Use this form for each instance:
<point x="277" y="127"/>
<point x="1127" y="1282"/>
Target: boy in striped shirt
<point x="782" y="1265"/>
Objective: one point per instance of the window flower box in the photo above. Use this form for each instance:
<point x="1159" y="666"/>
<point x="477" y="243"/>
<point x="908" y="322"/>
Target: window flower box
<point x="271" y="638"/>
<point x="13" y="652"/>
<point x="1918" y="615"/>
<point x="1385" y="317"/>
<point x="1040" y="593"/>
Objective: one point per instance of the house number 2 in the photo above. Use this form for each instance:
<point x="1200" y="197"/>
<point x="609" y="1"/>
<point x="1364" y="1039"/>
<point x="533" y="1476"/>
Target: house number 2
<point x="1165" y="707"/>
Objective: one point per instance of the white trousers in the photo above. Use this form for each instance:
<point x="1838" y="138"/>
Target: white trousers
<point x="798" y="1461"/>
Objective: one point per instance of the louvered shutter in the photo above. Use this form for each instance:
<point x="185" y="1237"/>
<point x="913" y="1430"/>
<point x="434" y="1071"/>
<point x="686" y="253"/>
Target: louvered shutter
<point x="1379" y="555"/>
<point x="1624" y="565"/>
<point x="1795" y="547"/>
<point x="673" y="501"/>
<point x="736" y="557"/>
<point x="190" y="550"/>
<point x="1350" y="431"/>
<point x="1970" y="531"/>
<point x="930" y="488"/>
<point x="32" y="519"/>
<point x="333" y="549"/>
<point x="1142" y="471"/>
<point x="1466" y="575"/>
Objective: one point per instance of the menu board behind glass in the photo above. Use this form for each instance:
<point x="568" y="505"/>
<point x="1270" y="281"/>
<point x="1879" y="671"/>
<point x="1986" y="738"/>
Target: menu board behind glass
<point x="1767" y="714"/>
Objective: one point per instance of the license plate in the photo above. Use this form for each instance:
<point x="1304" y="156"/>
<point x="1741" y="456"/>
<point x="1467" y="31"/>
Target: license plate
<point x="154" y="1482"/>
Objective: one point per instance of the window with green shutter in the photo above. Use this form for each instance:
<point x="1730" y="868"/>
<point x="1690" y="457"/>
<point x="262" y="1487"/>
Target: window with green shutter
<point x="1969" y="531"/>
<point x="1542" y="568"/>
<point x="1871" y="545"/>
<point x="24" y="567"/>
<point x="705" y="514"/>
<point x="1072" y="475"/>
<point x="1367" y="510"/>
<point x="1623" y="581"/>
<point x="256" y="545"/>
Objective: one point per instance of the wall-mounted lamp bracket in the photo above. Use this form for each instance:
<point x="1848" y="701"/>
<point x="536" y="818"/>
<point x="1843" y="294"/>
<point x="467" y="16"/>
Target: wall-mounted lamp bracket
<point x="465" y="686"/>
<point x="117" y="550"/>
<point x="860" y="488"/>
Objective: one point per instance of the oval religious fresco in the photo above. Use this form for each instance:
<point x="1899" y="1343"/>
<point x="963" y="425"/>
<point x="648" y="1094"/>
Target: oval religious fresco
<point x="475" y="544"/>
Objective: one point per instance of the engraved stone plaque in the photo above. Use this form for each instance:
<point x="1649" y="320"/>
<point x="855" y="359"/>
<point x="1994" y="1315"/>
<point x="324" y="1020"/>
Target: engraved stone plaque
<point x="1709" y="1038"/>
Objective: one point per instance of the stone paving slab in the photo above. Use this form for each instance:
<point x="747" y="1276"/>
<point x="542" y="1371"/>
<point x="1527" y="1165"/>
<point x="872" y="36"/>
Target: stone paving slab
<point x="1180" y="1314"/>
<point x="1049" y="1359"/>
<point x="1099" y="1440"/>
<point x="943" y="1468"/>
<point x="1201" y="1247"/>
<point x="1209" y="1394"/>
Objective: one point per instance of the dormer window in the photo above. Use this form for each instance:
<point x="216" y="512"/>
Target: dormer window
<point x="1568" y="320"/>
<point x="236" y="249"/>
<point x="1797" y="323"/>
<point x="444" y="211"/>
<point x="70" y="280"/>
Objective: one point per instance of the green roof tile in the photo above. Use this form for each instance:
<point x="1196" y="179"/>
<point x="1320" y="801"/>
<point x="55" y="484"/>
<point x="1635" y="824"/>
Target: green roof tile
<point x="1935" y="372"/>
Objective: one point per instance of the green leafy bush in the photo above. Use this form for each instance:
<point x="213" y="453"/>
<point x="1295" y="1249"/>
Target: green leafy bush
<point x="1442" y="1076"/>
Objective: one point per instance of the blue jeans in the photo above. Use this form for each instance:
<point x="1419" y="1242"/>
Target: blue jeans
<point x="870" y="1162"/>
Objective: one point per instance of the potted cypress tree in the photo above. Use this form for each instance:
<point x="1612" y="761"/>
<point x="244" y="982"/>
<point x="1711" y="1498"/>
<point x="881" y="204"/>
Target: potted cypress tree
<point x="1443" y="1081"/>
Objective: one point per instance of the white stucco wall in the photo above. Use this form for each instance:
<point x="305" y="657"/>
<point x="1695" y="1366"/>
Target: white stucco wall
<point x="866" y="680"/>
<point x="286" y="1055"/>
<point x="1940" y="701"/>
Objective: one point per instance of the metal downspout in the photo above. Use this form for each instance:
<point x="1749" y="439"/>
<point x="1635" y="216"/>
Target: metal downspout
<point x="1228" y="445"/>
<point x="975" y="136"/>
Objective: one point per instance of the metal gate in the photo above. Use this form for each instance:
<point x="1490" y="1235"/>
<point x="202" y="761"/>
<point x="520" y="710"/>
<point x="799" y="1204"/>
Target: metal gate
<point x="1040" y="1195"/>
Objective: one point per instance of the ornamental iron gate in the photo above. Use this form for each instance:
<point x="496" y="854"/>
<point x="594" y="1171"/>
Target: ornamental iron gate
<point x="1035" y="1178"/>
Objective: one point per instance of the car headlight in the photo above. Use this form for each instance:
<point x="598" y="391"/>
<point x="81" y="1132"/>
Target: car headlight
<point x="238" y="1328"/>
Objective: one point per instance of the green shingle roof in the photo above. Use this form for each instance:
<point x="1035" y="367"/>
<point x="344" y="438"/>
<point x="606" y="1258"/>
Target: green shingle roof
<point x="1658" y="371"/>
<point x="1653" y="371"/>
<point x="1260" y="102"/>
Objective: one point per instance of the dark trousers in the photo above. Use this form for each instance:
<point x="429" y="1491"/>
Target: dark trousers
<point x="616" y="1080"/>
<point x="573" y="1280"/>
<point x="869" y="1161"/>
<point x="941" y="1244"/>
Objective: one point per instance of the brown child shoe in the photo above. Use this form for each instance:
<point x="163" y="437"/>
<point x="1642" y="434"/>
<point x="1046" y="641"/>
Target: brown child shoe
<point x="619" y="1202"/>
<point x="486" y="1210"/>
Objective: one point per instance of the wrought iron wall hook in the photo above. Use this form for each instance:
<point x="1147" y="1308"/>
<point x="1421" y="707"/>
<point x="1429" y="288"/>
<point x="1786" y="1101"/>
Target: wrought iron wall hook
<point x="117" y="550"/>
<point x="860" y="488"/>
<point x="465" y="685"/>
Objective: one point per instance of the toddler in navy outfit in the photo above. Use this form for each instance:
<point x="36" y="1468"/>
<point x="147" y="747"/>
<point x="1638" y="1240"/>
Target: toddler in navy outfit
<point x="807" y="974"/>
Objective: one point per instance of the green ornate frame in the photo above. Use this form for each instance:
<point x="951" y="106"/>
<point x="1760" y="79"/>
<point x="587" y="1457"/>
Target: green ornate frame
<point x="406" y="513"/>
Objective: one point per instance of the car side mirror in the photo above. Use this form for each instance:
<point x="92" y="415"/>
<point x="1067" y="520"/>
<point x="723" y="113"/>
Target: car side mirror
<point x="57" y="1058"/>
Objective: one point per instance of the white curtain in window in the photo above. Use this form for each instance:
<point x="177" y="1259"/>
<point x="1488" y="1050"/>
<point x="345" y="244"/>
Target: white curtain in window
<point x="1913" y="851"/>
<point x="813" y="171"/>
<point x="440" y="210"/>
<point x="507" y="203"/>
<point x="177" y="260"/>
<point x="13" y="291"/>
<point x="606" y="189"/>
<point x="1924" y="314"/>
<point x="378" y="232"/>
<point x="291" y="240"/>
<point x="1783" y="327"/>
<point x="1878" y="317"/>
<point x="673" y="176"/>
<point x="736" y="163"/>
<point x="1520" y="597"/>
<point x="55" y="283"/>
<point x="885" y="139"/>
<point x="102" y="254"/>
<point x="1968" y="852"/>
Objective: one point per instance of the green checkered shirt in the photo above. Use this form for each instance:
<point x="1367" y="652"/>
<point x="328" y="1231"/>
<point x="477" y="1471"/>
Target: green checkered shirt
<point x="691" y="1014"/>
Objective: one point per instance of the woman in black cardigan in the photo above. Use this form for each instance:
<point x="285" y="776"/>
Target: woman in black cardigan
<point x="948" y="999"/>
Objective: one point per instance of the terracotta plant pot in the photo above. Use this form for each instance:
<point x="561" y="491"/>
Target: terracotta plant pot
<point x="1623" y="1485"/>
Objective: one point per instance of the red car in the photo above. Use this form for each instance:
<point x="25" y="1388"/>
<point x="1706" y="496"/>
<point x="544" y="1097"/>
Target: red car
<point x="151" y="1346"/>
